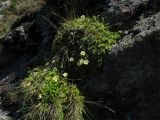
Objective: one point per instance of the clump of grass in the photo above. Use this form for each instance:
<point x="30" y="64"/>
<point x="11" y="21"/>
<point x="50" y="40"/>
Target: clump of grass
<point x="82" y="43"/>
<point x="46" y="95"/>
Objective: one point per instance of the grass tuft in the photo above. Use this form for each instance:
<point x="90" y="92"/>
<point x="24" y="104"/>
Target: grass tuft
<point x="46" y="95"/>
<point x="82" y="43"/>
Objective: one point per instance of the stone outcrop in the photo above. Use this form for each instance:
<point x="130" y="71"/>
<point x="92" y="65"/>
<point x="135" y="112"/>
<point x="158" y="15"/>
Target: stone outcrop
<point x="126" y="12"/>
<point x="130" y="83"/>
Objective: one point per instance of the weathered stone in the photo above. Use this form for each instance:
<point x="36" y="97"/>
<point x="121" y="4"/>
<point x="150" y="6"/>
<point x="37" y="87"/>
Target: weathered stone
<point x="3" y="115"/>
<point x="121" y="11"/>
<point x="130" y="78"/>
<point x="5" y="4"/>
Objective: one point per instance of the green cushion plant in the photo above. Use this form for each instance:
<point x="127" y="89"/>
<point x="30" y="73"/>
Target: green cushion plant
<point x="46" y="95"/>
<point x="81" y="44"/>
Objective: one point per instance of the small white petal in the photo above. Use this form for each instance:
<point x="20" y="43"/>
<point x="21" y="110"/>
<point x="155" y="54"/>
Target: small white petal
<point x="65" y="74"/>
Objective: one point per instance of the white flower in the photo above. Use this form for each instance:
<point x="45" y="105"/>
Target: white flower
<point x="83" y="17"/>
<point x="45" y="70"/>
<point x="39" y="96"/>
<point x="86" y="62"/>
<point x="55" y="78"/>
<point x="71" y="59"/>
<point x="80" y="62"/>
<point x="83" y="53"/>
<point x="54" y="69"/>
<point x="65" y="74"/>
<point x="28" y="84"/>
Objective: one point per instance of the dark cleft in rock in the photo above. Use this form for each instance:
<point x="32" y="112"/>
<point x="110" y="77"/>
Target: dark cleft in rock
<point x="12" y="45"/>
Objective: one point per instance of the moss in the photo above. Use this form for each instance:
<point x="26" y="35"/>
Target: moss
<point x="17" y="9"/>
<point x="87" y="40"/>
<point x="46" y="95"/>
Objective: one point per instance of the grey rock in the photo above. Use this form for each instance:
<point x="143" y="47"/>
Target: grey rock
<point x="4" y="115"/>
<point x="148" y="23"/>
<point x="121" y="11"/>
<point x="5" y="4"/>
<point x="131" y="73"/>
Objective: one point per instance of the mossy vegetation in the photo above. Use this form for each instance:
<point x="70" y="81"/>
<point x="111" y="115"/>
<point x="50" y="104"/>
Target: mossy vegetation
<point x="46" y="95"/>
<point x="82" y="43"/>
<point x="16" y="10"/>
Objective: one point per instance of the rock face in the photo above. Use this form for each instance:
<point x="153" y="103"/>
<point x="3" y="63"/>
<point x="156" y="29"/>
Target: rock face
<point x="134" y="66"/>
<point x="127" y="12"/>
<point x="129" y="83"/>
